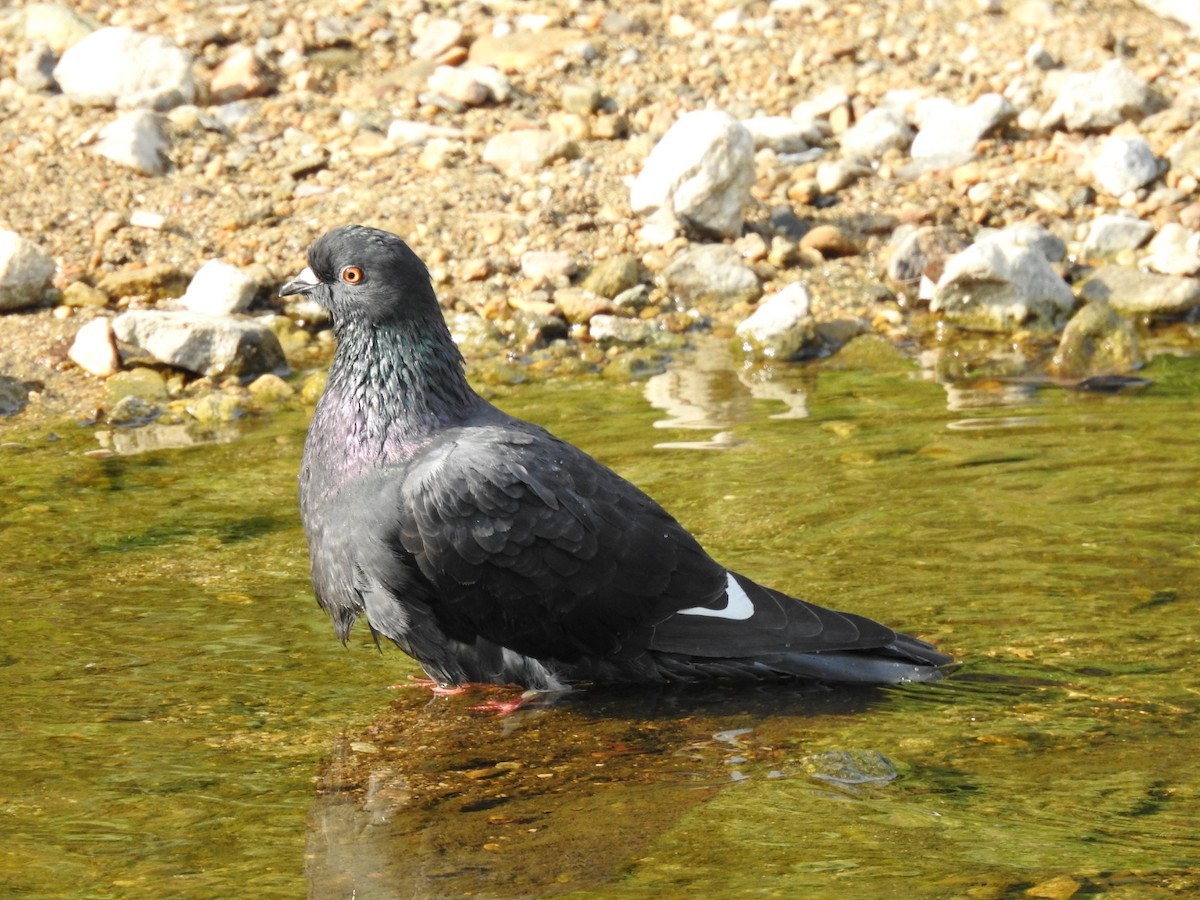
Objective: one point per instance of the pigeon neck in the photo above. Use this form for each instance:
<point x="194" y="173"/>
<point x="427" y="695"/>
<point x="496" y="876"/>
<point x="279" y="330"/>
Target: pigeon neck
<point x="404" y="381"/>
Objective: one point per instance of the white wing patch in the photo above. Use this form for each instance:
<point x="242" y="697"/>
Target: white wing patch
<point x="737" y="604"/>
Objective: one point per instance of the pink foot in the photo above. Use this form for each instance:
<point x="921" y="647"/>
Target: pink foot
<point x="442" y="690"/>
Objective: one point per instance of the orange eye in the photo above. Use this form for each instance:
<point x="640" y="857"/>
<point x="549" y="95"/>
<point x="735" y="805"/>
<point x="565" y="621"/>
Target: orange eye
<point x="352" y="275"/>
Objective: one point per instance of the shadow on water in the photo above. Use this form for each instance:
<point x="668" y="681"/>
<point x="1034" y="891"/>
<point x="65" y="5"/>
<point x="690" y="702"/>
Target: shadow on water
<point x="443" y="796"/>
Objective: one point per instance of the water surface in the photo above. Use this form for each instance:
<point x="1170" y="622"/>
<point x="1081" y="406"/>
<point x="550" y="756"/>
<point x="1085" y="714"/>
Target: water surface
<point x="181" y="722"/>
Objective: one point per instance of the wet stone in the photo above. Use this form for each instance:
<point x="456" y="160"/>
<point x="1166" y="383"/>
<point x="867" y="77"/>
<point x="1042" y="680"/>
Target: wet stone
<point x="1096" y="341"/>
<point x="711" y="272"/>
<point x="612" y="276"/>
<point x="1131" y="291"/>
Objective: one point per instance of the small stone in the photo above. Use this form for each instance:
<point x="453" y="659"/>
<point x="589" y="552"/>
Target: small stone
<point x="838" y="174"/>
<point x="138" y="382"/>
<point x="55" y="25"/>
<point x="1111" y="233"/>
<point x="781" y="327"/>
<point x="239" y="76"/>
<point x="94" y="349"/>
<point x="830" y="241"/>
<point x="1124" y="164"/>
<point x="880" y="130"/>
<point x="436" y="37"/>
<point x="1184" y="155"/>
<point x="1185" y="11"/>
<point x="527" y="150"/>
<point x="402" y="132"/>
<point x="217" y="408"/>
<point x="1097" y="341"/>
<point x="1175" y="250"/>
<point x="578" y="306"/>
<point x="612" y="276"/>
<point x="781" y="133"/>
<point x="154" y="282"/>
<point x="219" y="288"/>
<point x="551" y="265"/>
<point x="520" y="51"/>
<point x="922" y="252"/>
<point x="80" y="294"/>
<point x="1099" y="100"/>
<point x="581" y="99"/>
<point x="950" y="132"/>
<point x="621" y="330"/>
<point x="137" y="140"/>
<point x="711" y="273"/>
<point x="132" y="410"/>
<point x="25" y="272"/>
<point x="459" y="85"/>
<point x="699" y="174"/>
<point x="1060" y="887"/>
<point x="121" y="67"/>
<point x="14" y="395"/>
<point x="34" y="70"/>
<point x="144" y="218"/>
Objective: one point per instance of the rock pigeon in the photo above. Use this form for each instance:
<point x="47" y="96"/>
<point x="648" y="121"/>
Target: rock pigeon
<point x="491" y="551"/>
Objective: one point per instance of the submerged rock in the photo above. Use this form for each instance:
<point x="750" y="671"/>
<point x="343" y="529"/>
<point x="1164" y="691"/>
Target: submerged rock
<point x="1097" y="341"/>
<point x="782" y="326"/>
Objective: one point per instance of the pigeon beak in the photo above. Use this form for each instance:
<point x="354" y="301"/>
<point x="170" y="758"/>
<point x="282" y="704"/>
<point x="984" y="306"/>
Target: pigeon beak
<point x="301" y="284"/>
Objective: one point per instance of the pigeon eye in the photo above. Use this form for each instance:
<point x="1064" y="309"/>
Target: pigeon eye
<point x="352" y="275"/>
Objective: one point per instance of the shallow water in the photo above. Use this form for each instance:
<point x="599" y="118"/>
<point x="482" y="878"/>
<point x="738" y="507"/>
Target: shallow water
<point x="181" y="721"/>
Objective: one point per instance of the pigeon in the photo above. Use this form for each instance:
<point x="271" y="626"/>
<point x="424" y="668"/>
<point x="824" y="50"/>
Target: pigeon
<point x="491" y="551"/>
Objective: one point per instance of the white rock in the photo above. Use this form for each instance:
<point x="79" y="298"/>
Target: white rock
<point x="1175" y="250"/>
<point x="494" y="80"/>
<point x="403" y="132"/>
<point x="95" y="348"/>
<point x="998" y="286"/>
<point x="25" y="271"/>
<point x="834" y="175"/>
<point x="53" y="24"/>
<point x="781" y="326"/>
<point x="881" y="129"/>
<point x="207" y="345"/>
<point x="547" y="264"/>
<point x="952" y="131"/>
<point x="1026" y="235"/>
<point x="435" y="37"/>
<point x="1185" y="11"/>
<point x="120" y="67"/>
<point x="780" y="133"/>
<point x="1112" y="233"/>
<point x="711" y="273"/>
<point x="1124" y="164"/>
<point x="459" y="85"/>
<point x="700" y="173"/>
<point x="219" y="289"/>
<point x="137" y="140"/>
<point x="1099" y="100"/>
<point x="527" y="150"/>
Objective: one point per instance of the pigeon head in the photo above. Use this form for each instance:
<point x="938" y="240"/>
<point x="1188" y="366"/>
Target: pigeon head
<point x="365" y="275"/>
